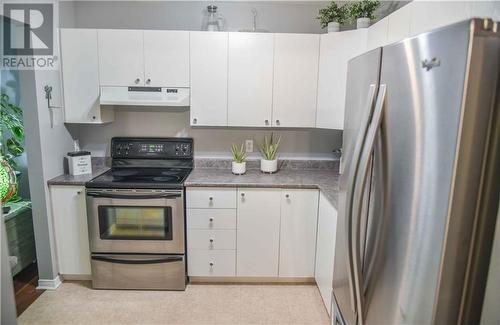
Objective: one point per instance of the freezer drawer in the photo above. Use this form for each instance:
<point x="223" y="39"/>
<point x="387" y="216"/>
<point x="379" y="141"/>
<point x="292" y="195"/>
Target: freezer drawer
<point x="145" y="272"/>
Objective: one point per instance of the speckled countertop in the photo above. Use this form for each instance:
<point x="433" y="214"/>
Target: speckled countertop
<point x="79" y="180"/>
<point x="324" y="180"/>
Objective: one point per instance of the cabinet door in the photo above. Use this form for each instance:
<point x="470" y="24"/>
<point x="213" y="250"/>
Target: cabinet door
<point x="377" y="34"/>
<point x="250" y="79"/>
<point x="299" y="217"/>
<point x="121" y="57"/>
<point x="80" y="77"/>
<point x="428" y="15"/>
<point x="208" y="53"/>
<point x="70" y="228"/>
<point x="258" y="231"/>
<point x="325" y="250"/>
<point x="336" y="51"/>
<point x="166" y="58"/>
<point x="295" y="79"/>
<point x="398" y="25"/>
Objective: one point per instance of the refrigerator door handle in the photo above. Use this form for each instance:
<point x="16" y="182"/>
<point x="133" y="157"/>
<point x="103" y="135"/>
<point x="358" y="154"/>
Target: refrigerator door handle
<point x="358" y="196"/>
<point x="350" y="190"/>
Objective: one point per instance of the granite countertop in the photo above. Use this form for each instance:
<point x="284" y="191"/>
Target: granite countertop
<point x="79" y="180"/>
<point x="324" y="180"/>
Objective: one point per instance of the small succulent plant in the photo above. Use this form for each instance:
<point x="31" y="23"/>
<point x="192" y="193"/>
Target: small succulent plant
<point x="239" y="153"/>
<point x="269" y="149"/>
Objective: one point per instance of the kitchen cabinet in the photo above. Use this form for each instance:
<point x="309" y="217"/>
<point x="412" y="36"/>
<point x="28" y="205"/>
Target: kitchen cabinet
<point x="121" y="57"/>
<point x="258" y="230"/>
<point x="71" y="236"/>
<point x="299" y="217"/>
<point x="208" y="75"/>
<point x="166" y="58"/>
<point x="428" y="15"/>
<point x="398" y="24"/>
<point x="250" y="79"/>
<point x="295" y="80"/>
<point x="325" y="250"/>
<point x="80" y="79"/>
<point x="211" y="197"/>
<point x="377" y="34"/>
<point x="336" y="49"/>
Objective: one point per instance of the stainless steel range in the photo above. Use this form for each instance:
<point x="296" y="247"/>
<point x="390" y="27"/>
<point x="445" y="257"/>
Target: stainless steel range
<point x="136" y="215"/>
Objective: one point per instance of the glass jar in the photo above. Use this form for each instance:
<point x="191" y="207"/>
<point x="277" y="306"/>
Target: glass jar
<point x="212" y="21"/>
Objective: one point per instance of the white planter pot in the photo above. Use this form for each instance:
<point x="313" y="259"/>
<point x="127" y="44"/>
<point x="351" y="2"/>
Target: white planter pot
<point x="239" y="168"/>
<point x="362" y="23"/>
<point x="269" y="166"/>
<point x="333" y="27"/>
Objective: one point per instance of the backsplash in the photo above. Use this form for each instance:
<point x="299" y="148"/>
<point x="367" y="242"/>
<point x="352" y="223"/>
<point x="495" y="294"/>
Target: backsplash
<point x="285" y="164"/>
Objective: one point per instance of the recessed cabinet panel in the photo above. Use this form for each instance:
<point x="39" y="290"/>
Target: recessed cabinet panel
<point x="258" y="232"/>
<point x="166" y="58"/>
<point x="295" y="80"/>
<point x="208" y="53"/>
<point x="250" y="79"/>
<point x="121" y="61"/>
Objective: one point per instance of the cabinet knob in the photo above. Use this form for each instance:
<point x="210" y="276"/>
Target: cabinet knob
<point x="137" y="81"/>
<point x="195" y="120"/>
<point x="79" y="192"/>
<point x="148" y="81"/>
<point x="287" y="196"/>
<point x="211" y="263"/>
<point x="211" y="198"/>
<point x="242" y="194"/>
<point x="93" y="117"/>
<point x="211" y="240"/>
<point x="277" y="122"/>
<point x="267" y="122"/>
<point x="211" y="219"/>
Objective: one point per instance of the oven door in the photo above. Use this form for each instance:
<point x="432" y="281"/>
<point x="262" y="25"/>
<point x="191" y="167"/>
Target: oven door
<point x="136" y="221"/>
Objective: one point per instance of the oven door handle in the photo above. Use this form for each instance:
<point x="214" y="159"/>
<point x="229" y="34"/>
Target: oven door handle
<point x="133" y="196"/>
<point x="168" y="259"/>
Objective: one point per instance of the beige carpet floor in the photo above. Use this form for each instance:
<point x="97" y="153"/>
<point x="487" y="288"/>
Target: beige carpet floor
<point x="76" y="303"/>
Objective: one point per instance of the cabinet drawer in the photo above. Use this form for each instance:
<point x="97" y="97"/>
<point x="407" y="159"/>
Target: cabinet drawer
<point x="211" y="218"/>
<point x="211" y="239"/>
<point x="210" y="197"/>
<point x="211" y="263"/>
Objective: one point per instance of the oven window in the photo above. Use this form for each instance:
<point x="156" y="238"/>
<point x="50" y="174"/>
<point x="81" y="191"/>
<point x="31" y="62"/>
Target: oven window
<point x="135" y="223"/>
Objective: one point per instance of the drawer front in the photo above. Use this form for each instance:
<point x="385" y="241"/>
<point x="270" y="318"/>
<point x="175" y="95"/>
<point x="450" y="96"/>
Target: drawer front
<point x="211" y="218"/>
<point x="211" y="198"/>
<point x="211" y="263"/>
<point x="211" y="239"/>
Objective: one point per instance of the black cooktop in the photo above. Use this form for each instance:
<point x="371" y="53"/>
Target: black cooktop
<point x="144" y="163"/>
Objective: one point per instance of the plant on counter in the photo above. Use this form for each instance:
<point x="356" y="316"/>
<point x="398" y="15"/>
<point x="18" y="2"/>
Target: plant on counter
<point x="332" y="16"/>
<point x="362" y="12"/>
<point x="269" y="150"/>
<point x="238" y="165"/>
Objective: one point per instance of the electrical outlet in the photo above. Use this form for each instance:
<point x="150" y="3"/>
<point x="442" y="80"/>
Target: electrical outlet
<point x="249" y="145"/>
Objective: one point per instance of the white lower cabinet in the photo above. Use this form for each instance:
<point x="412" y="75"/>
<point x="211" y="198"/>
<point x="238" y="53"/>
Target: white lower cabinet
<point x="299" y="216"/>
<point x="325" y="249"/>
<point x="206" y="263"/>
<point x="70" y="229"/>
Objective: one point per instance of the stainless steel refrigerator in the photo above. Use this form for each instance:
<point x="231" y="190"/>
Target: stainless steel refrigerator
<point x="419" y="190"/>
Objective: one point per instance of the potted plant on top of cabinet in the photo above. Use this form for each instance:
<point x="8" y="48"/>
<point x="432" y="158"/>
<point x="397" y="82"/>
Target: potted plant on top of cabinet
<point x="269" y="150"/>
<point x="332" y="17"/>
<point x="239" y="165"/>
<point x="363" y="12"/>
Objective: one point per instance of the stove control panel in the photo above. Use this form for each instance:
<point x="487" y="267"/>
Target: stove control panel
<point x="145" y="148"/>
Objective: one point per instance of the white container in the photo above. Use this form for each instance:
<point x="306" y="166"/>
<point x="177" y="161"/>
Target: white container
<point x="268" y="166"/>
<point x="239" y="168"/>
<point x="333" y="27"/>
<point x="79" y="163"/>
<point x="362" y="23"/>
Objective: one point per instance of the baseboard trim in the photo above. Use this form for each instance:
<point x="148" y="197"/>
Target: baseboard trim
<point x="252" y="280"/>
<point x="75" y="277"/>
<point x="53" y="284"/>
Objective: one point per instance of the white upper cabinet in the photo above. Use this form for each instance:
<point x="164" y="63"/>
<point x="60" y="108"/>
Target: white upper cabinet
<point x="295" y="80"/>
<point x="166" y="58"/>
<point x="299" y="217"/>
<point x="258" y="232"/>
<point x="81" y="77"/>
<point x="377" y="34"/>
<point x="208" y="57"/>
<point x="427" y="15"/>
<point x="398" y="25"/>
<point x="250" y="79"/>
<point x="121" y="60"/>
<point x="335" y="52"/>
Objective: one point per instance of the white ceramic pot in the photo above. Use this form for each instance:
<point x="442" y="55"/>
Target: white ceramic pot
<point x="362" y="23"/>
<point x="239" y="168"/>
<point x="268" y="166"/>
<point x="333" y="27"/>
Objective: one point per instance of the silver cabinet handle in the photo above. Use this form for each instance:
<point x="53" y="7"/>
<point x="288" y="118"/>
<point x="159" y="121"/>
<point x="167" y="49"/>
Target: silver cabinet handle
<point x="148" y="81"/>
<point x="211" y="219"/>
<point x="137" y="81"/>
<point x="211" y="240"/>
<point x="287" y="196"/>
<point x="211" y="198"/>
<point x="195" y="120"/>
<point x="266" y="122"/>
<point x="211" y="263"/>
<point x="277" y="122"/>
<point x="242" y="194"/>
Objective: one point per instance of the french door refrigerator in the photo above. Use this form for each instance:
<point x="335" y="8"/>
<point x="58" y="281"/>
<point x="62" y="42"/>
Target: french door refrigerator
<point x="419" y="190"/>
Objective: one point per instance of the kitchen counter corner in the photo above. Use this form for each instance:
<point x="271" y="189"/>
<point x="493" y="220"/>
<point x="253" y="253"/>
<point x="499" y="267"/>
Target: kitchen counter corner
<point x="78" y="180"/>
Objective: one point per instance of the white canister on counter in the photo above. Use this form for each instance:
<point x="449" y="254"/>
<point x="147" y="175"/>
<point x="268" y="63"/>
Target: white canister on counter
<point x="79" y="162"/>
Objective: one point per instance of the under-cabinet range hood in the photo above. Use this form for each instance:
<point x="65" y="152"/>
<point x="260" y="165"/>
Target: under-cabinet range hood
<point x="144" y="96"/>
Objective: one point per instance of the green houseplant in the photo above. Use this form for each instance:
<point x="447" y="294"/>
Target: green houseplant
<point x="362" y="12"/>
<point x="12" y="138"/>
<point x="238" y="166"/>
<point x="332" y="16"/>
<point x="269" y="150"/>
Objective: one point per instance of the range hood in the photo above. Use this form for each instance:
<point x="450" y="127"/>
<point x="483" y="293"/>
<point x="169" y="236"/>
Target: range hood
<point x="144" y="96"/>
